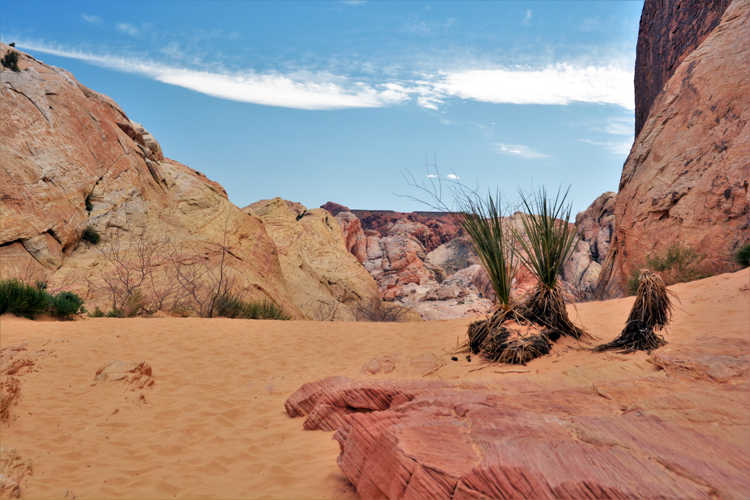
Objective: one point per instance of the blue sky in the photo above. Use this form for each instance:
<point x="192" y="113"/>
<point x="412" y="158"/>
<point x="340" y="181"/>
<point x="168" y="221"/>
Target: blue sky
<point x="318" y="101"/>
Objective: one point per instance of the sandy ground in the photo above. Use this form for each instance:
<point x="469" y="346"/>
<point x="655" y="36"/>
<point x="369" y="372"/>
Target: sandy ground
<point x="213" y="423"/>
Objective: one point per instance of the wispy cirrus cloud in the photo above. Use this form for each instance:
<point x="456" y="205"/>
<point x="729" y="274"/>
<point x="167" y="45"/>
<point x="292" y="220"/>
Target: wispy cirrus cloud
<point x="527" y="20"/>
<point x="91" y="19"/>
<point x="559" y="84"/>
<point x="518" y="150"/>
<point x="268" y="89"/>
<point x="128" y="29"/>
<point x="618" y="148"/>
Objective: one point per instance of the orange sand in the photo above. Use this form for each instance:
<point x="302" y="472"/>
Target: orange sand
<point x="213" y="425"/>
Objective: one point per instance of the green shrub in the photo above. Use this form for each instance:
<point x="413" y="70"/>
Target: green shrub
<point x="115" y="313"/>
<point x="89" y="205"/>
<point x="90" y="234"/>
<point x="229" y="305"/>
<point x="10" y="60"/>
<point x="98" y="313"/>
<point x="742" y="257"/>
<point x="678" y="264"/>
<point x="16" y="297"/>
<point x="21" y="299"/>
<point x="65" y="305"/>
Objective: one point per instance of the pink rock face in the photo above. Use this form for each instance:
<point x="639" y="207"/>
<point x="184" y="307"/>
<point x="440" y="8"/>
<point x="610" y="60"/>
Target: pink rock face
<point x="431" y="229"/>
<point x="669" y="31"/>
<point x="354" y="237"/>
<point x="686" y="178"/>
<point x="649" y="437"/>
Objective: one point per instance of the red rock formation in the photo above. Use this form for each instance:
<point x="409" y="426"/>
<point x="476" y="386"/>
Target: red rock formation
<point x="527" y="439"/>
<point x="354" y="237"/>
<point x="433" y="228"/>
<point x="596" y="226"/>
<point x="686" y="178"/>
<point x="669" y="31"/>
<point x="334" y="208"/>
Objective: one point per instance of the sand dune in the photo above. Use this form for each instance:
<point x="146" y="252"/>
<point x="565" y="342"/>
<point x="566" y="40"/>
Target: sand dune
<point x="213" y="423"/>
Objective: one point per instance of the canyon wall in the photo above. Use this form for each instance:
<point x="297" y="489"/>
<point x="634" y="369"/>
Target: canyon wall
<point x="686" y="178"/>
<point x="72" y="160"/>
<point x="669" y="31"/>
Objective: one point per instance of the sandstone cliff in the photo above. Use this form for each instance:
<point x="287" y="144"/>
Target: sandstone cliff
<point x="72" y="159"/>
<point x="669" y="31"/>
<point x="329" y="282"/>
<point x="686" y="178"/>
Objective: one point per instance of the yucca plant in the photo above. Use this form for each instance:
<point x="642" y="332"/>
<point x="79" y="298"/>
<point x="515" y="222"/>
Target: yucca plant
<point x="481" y="219"/>
<point x="652" y="309"/>
<point x="547" y="242"/>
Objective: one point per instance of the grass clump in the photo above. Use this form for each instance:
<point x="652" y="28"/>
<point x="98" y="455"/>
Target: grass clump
<point x="10" y="60"/>
<point x="98" y="313"/>
<point x="229" y="305"/>
<point x="742" y="257"/>
<point x="22" y="299"/>
<point x="90" y="235"/>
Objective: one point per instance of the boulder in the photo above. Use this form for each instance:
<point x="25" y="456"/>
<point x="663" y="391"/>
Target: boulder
<point x="565" y="436"/>
<point x="325" y="280"/>
<point x="65" y="147"/>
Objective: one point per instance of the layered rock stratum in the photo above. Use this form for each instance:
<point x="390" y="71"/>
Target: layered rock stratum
<point x="686" y="178"/>
<point x="72" y="160"/>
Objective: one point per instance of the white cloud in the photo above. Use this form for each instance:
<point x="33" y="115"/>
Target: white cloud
<point x="560" y="84"/>
<point x="620" y="126"/>
<point x="431" y="176"/>
<point x="518" y="150"/>
<point x="453" y="177"/>
<point x="619" y="148"/>
<point x="528" y="18"/>
<point x="128" y="29"/>
<point x="270" y="89"/>
<point x="91" y="19"/>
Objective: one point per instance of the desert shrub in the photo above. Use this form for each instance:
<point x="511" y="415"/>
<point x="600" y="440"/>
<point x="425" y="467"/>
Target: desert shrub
<point x="90" y="234"/>
<point x="22" y="299"/>
<point x="16" y="297"/>
<point x="229" y="305"/>
<point x="381" y="312"/>
<point x="65" y="305"/>
<point x="10" y="60"/>
<point x="89" y="205"/>
<point x="742" y="257"/>
<point x="115" y="313"/>
<point x="98" y="313"/>
<point x="678" y="264"/>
